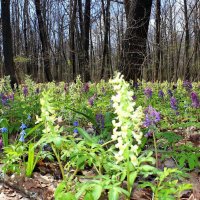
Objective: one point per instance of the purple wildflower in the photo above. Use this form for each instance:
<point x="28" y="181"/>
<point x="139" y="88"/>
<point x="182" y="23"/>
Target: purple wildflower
<point x="174" y="87"/>
<point x="91" y="100"/>
<point x="1" y="144"/>
<point x="37" y="91"/>
<point x="11" y="96"/>
<point x="103" y="90"/>
<point x="86" y="87"/>
<point x="173" y="103"/>
<point x="187" y="85"/>
<point x="100" y="120"/>
<point x="65" y="87"/>
<point x="148" y="92"/>
<point x="148" y="134"/>
<point x="136" y="85"/>
<point x="170" y="93"/>
<point x="25" y="91"/>
<point x="161" y="94"/>
<point x="4" y="99"/>
<point x="134" y="97"/>
<point x="195" y="100"/>
<point x="151" y="117"/>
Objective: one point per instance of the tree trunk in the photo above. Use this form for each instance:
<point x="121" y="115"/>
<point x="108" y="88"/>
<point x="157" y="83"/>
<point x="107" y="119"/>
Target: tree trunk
<point x="106" y="57"/>
<point x="187" y="42"/>
<point x="44" y="41"/>
<point x="7" y="42"/>
<point x="73" y="9"/>
<point x="86" y="40"/>
<point x="134" y="42"/>
<point x="158" y="20"/>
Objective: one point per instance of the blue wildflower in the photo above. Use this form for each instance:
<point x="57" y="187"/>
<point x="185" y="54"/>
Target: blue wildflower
<point x="4" y="130"/>
<point x="22" y="134"/>
<point x="101" y="141"/>
<point x="75" y="123"/>
<point x="23" y="126"/>
<point x="29" y="117"/>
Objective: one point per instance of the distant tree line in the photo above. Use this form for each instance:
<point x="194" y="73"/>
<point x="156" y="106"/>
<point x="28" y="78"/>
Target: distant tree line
<point x="60" y="39"/>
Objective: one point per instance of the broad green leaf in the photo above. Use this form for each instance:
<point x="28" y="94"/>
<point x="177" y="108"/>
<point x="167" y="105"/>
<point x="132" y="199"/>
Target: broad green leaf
<point x="88" y="196"/>
<point x="148" y="168"/>
<point x="65" y="196"/>
<point x="113" y="194"/>
<point x="97" y="190"/>
<point x="133" y="176"/>
<point x="85" y="135"/>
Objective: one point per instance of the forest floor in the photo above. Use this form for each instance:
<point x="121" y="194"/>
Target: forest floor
<point x="47" y="176"/>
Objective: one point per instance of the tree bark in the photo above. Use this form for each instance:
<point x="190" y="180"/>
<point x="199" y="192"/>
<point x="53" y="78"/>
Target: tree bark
<point x="158" y="21"/>
<point x="106" y="57"/>
<point x="9" y="65"/>
<point x="44" y="40"/>
<point x="187" y="42"/>
<point x="86" y="40"/>
<point x="73" y="9"/>
<point x="134" y="42"/>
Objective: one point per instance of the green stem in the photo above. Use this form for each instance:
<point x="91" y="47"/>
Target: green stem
<point x="155" y="147"/>
<point x="5" y="139"/>
<point x="59" y="161"/>
<point x="128" y="178"/>
<point x="105" y="144"/>
<point x="74" y="174"/>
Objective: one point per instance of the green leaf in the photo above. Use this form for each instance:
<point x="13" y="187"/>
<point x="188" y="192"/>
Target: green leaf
<point x="148" y="168"/>
<point x="96" y="193"/>
<point x="133" y="176"/>
<point x="113" y="194"/>
<point x="88" y="196"/>
<point x="148" y="184"/>
<point x="85" y="135"/>
<point x="123" y="176"/>
<point x="90" y="117"/>
<point x="58" y="141"/>
<point x="192" y="160"/>
<point x="65" y="196"/>
<point x="182" y="161"/>
<point x="30" y="164"/>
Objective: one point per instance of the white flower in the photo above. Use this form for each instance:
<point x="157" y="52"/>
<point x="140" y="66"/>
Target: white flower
<point x="128" y="121"/>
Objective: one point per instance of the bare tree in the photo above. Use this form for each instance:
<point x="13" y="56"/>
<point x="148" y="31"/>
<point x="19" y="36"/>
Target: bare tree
<point x="44" y="40"/>
<point x="7" y="42"/>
